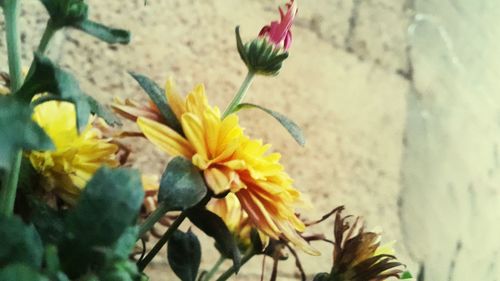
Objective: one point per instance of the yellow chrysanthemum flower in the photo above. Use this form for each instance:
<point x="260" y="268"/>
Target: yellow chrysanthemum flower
<point x="230" y="211"/>
<point x="230" y="161"/>
<point x="76" y="158"/>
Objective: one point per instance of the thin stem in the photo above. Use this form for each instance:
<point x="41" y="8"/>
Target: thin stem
<point x="50" y="30"/>
<point x="48" y="33"/>
<point x="8" y="191"/>
<point x="240" y="95"/>
<point x="249" y="255"/>
<point x="163" y="240"/>
<point x="11" y="15"/>
<point x="154" y="217"/>
<point x="214" y="269"/>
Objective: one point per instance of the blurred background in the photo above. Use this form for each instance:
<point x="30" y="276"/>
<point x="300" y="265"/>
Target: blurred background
<point x="398" y="99"/>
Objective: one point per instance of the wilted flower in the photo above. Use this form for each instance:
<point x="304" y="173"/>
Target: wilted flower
<point x="77" y="157"/>
<point x="231" y="162"/>
<point x="279" y="33"/>
<point x="358" y="255"/>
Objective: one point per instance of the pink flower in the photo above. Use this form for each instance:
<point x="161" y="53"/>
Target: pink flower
<point x="279" y="33"/>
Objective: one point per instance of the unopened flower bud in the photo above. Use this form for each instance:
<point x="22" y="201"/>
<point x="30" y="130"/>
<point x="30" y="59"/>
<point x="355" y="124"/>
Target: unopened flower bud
<point x="265" y="54"/>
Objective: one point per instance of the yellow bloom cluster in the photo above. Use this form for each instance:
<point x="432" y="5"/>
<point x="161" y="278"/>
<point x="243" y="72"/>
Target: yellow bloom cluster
<point x="76" y="158"/>
<point x="230" y="161"/>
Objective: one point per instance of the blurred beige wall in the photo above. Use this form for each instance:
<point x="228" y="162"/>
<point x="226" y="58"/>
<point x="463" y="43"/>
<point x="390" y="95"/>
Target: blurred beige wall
<point x="348" y="82"/>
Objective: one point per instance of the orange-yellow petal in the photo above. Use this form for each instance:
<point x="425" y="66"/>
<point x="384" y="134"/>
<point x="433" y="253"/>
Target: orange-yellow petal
<point x="174" y="99"/>
<point x="165" y="138"/>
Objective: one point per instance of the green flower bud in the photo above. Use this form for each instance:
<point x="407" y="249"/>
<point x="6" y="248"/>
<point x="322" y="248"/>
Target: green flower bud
<point x="261" y="56"/>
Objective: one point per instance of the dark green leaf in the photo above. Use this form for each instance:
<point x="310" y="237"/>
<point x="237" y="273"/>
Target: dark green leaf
<point x="103" y="112"/>
<point x="18" y="131"/>
<point x="108" y="206"/>
<point x="20" y="243"/>
<point x="124" y="245"/>
<point x="52" y="268"/>
<point x="157" y="95"/>
<point x="322" y="277"/>
<point x="20" y="272"/>
<point x="104" y="33"/>
<point x="184" y="255"/>
<point x="214" y="226"/>
<point x="256" y="241"/>
<point x="65" y="12"/>
<point x="48" y="222"/>
<point x="289" y="125"/>
<point x="46" y="77"/>
<point x="181" y="185"/>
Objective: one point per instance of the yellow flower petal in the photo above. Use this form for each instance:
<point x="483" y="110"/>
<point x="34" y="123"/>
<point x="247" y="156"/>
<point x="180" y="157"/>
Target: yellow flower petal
<point x="165" y="138"/>
<point x="219" y="180"/>
<point x="195" y="133"/>
<point x="174" y="99"/>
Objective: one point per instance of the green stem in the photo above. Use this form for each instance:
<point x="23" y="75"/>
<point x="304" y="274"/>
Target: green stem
<point x="240" y="95"/>
<point x="163" y="240"/>
<point x="249" y="255"/>
<point x="214" y="269"/>
<point x="11" y="16"/>
<point x="155" y="216"/>
<point x="8" y="191"/>
<point x="50" y="30"/>
<point x="48" y="33"/>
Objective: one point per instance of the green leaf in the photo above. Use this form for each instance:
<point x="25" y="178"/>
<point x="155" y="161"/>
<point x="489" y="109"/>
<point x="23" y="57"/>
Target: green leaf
<point x="104" y="33"/>
<point x="18" y="131"/>
<point x="120" y="270"/>
<point x="289" y="125"/>
<point x="406" y="275"/>
<point x="322" y="277"/>
<point x="48" y="222"/>
<point x="46" y="77"/>
<point x="181" y="185"/>
<point x="103" y="112"/>
<point x="184" y="255"/>
<point x="214" y="226"/>
<point x="108" y="206"/>
<point x="20" y="243"/>
<point x="52" y="266"/>
<point x="18" y="272"/>
<point x="157" y="95"/>
<point x="257" y="244"/>
<point x="66" y="12"/>
<point x="124" y="245"/>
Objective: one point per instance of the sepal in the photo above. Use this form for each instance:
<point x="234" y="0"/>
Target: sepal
<point x="261" y="56"/>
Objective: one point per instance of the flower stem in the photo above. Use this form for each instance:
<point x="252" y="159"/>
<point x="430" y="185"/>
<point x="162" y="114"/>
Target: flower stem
<point x="214" y="269"/>
<point x="50" y="30"/>
<point x="249" y="255"/>
<point x="11" y="15"/>
<point x="240" y="95"/>
<point x="8" y="191"/>
<point x="163" y="240"/>
<point x="155" y="216"/>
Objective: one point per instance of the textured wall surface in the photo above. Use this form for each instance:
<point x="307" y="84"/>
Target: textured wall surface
<point x="365" y="77"/>
<point x="451" y="174"/>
